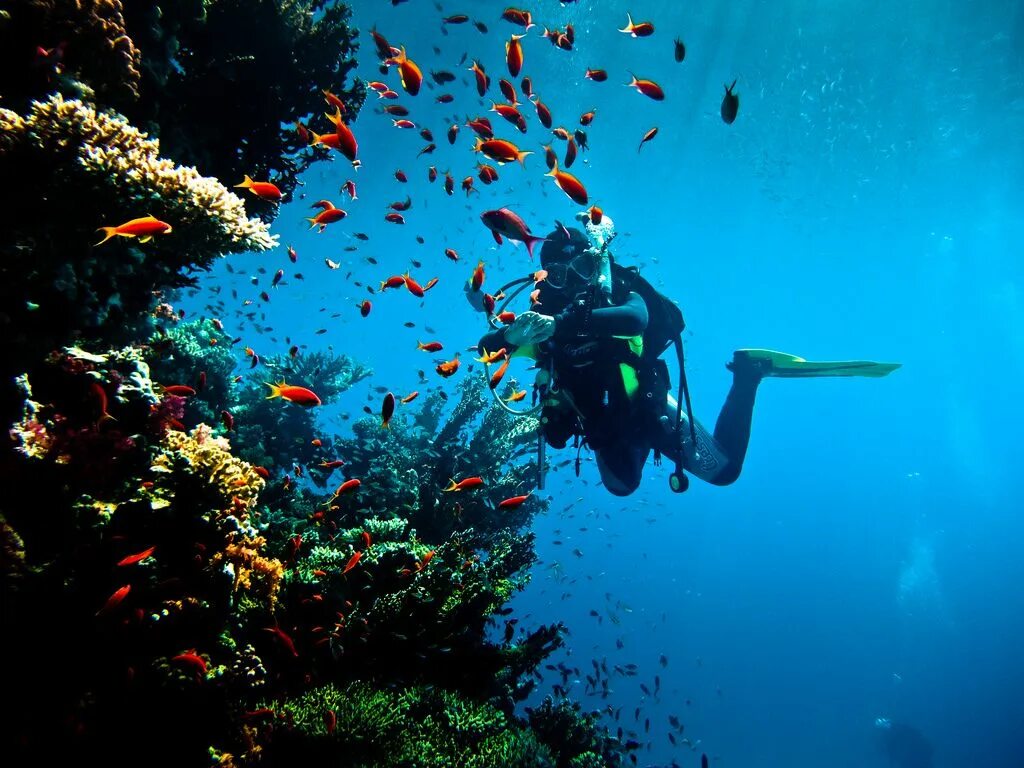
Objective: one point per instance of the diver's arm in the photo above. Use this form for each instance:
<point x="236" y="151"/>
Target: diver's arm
<point x="627" y="319"/>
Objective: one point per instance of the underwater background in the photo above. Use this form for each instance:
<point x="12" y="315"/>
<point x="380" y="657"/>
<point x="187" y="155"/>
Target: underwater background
<point x="865" y="204"/>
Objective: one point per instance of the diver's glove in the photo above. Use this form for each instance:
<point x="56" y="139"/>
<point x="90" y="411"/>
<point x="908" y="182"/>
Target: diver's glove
<point x="569" y="322"/>
<point x="530" y="328"/>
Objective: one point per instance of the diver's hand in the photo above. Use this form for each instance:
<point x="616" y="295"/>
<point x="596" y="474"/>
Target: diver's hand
<point x="530" y="328"/>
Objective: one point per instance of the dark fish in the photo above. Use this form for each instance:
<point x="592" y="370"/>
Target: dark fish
<point x="680" y="50"/>
<point x="663" y="660"/>
<point x="441" y="77"/>
<point x="730" y="104"/>
<point x="703" y="761"/>
<point x="480" y="26"/>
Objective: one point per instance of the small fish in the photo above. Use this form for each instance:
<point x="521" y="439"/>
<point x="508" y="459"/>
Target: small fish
<point x="647" y="137"/>
<point x="293" y="394"/>
<point x="730" y="104"/>
<point x="516" y="397"/>
<point x="514" y="502"/>
<point x="114" y="600"/>
<point x="503" y="221"/>
<point x="352" y="562"/>
<point x="410" y="397"/>
<point x="347" y="487"/>
<point x="330" y="721"/>
<point x="466" y="484"/>
<point x="179" y="390"/>
<point x="448" y="368"/>
<point x="451" y="254"/>
<point x="648" y="88"/>
<point x="680" y="50"/>
<point x="543" y="113"/>
<point x="596" y="214"/>
<point x="144" y="228"/>
<point x="597" y="75"/>
<point x="387" y="410"/>
<point x="409" y="73"/>
<point x="499" y="374"/>
<point x="569" y="184"/>
<point x="643" y="29"/>
<point x="227" y="420"/>
<point x="514" y="55"/>
<point x="264" y="190"/>
<point x="430" y="346"/>
<point x="138" y="557"/>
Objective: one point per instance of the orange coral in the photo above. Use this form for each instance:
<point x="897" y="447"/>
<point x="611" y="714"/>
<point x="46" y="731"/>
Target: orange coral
<point x="253" y="572"/>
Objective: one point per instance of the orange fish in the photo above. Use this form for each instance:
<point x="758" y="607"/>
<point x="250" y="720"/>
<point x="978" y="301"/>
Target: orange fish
<point x="648" y="88"/>
<point x="387" y="410"/>
<point x="410" y="397"/>
<point x="643" y="29"/>
<point x="410" y="74"/>
<point x="482" y="80"/>
<point x="587" y="117"/>
<point x="647" y="137"/>
<point x="570" y="153"/>
<point x="516" y="397"/>
<point x="352" y="562"/>
<point x="316" y="442"/>
<point x="365" y="307"/>
<point x="596" y="214"/>
<point x="513" y="502"/>
<point x="509" y="91"/>
<point x="395" y="218"/>
<point x="293" y="394"/>
<point x="507" y="317"/>
<point x="144" y="229"/>
<point x="329" y="215"/>
<point x="138" y="557"/>
<point x="392" y="282"/>
<point x="514" y="55"/>
<point x="330" y="721"/>
<point x="114" y="600"/>
<point x="262" y="189"/>
<point x="430" y="346"/>
<point x="487" y="173"/>
<point x="500" y="151"/>
<point x="342" y="139"/>
<point x="467" y="185"/>
<point x="448" y="368"/>
<point x="403" y="123"/>
<point x="347" y="486"/>
<point x="597" y="75"/>
<point x="570" y="185"/>
<point x="491" y="357"/>
<point x="466" y="484"/>
<point x="334" y="101"/>
<point x="180" y="390"/>
<point x="451" y="253"/>
<point x="500" y="373"/>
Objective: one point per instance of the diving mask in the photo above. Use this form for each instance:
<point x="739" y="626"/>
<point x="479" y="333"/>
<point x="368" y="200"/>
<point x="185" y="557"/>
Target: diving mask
<point x="590" y="263"/>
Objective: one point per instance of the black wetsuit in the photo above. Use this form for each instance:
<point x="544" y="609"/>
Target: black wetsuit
<point x="623" y="432"/>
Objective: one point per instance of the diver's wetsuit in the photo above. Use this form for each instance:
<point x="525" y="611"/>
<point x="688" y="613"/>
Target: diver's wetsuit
<point x="625" y="446"/>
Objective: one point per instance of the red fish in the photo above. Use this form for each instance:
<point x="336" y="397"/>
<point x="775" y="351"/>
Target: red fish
<point x="227" y="420"/>
<point x="395" y="218"/>
<point x="500" y="151"/>
<point x="298" y="395"/>
<point x="387" y="410"/>
<point x="192" y="659"/>
<point x="518" y="16"/>
<point x="597" y="75"/>
<point x="342" y="139"/>
<point x="482" y="80"/>
<point x="543" y="113"/>
<point x="332" y="464"/>
<point x="596" y="214"/>
<point x="329" y="215"/>
<point x="365" y="307"/>
<point x="498" y="375"/>
<point x="451" y="253"/>
<point x="643" y="29"/>
<point x="430" y="346"/>
<point x="570" y="153"/>
<point x="143" y="228"/>
<point x="648" y="88"/>
<point x="352" y="562"/>
<point x="284" y="639"/>
<point x="264" y="190"/>
<point x="400" y="175"/>
<point x="506" y="318"/>
<point x="366" y="539"/>
<point x="403" y="123"/>
<point x="515" y="501"/>
<point x="487" y="173"/>
<point x="410" y="397"/>
<point x="502" y="221"/>
<point x="477" y="278"/>
<point x="509" y="91"/>
<point x="466" y="484"/>
<point x="348" y="486"/>
<point x="293" y="255"/>
<point x="453" y="132"/>
<point x="180" y="390"/>
<point x="138" y="557"/>
<point x="114" y="600"/>
<point x="262" y="472"/>
<point x="587" y="117"/>
<point x="330" y="721"/>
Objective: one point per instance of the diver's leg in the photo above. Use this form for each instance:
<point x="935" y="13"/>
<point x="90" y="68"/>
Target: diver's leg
<point x="718" y="458"/>
<point x="621" y="465"/>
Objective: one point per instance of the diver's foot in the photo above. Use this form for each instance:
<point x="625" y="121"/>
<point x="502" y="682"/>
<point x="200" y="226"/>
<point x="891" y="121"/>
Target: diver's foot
<point x="747" y="364"/>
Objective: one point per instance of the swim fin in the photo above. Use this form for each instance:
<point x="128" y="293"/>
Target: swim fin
<point x="785" y="366"/>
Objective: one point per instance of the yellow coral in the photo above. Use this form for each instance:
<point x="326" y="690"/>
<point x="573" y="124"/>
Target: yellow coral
<point x="210" y="457"/>
<point x="253" y="572"/>
<point x="121" y="158"/>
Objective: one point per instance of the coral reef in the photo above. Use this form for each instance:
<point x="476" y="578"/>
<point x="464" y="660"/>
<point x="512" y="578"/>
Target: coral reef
<point x="55" y="283"/>
<point x="410" y="464"/>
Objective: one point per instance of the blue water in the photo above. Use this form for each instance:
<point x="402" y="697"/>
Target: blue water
<point x="866" y="203"/>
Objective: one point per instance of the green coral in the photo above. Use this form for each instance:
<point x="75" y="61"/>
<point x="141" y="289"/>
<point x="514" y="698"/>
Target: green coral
<point x="396" y="728"/>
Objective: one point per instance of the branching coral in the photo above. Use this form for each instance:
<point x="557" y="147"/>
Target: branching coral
<point x="99" y="171"/>
<point x="366" y="727"/>
<point x="409" y="465"/>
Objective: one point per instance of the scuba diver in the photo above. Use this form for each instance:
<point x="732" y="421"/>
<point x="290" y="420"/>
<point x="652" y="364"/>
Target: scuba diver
<point x="905" y="746"/>
<point x="598" y="335"/>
